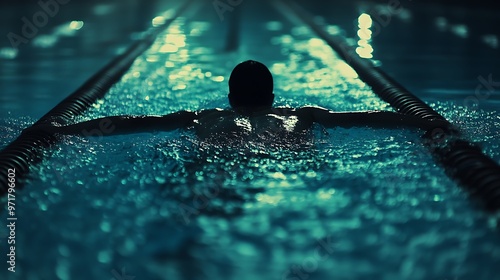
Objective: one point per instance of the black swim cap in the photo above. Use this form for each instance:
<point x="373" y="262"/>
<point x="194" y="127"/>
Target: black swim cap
<point x="251" y="85"/>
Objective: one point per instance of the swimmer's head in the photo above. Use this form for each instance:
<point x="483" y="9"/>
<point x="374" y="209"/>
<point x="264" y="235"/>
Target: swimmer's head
<point x="251" y="85"/>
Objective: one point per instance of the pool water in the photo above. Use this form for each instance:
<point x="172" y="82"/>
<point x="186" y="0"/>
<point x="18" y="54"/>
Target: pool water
<point x="359" y="204"/>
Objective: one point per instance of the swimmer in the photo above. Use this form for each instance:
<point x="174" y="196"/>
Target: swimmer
<point x="252" y="113"/>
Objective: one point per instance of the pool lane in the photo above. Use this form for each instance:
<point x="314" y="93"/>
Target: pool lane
<point x="463" y="160"/>
<point x="79" y="40"/>
<point x="446" y="55"/>
<point x="443" y="50"/>
<point x="61" y="54"/>
<point x="27" y="148"/>
<point x="364" y="205"/>
<point x="437" y="51"/>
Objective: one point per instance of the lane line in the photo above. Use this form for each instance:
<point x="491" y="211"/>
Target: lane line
<point x="233" y="32"/>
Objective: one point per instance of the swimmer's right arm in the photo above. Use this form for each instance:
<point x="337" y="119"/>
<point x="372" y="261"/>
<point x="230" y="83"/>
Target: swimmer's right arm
<point x="376" y="119"/>
<point x="117" y="125"/>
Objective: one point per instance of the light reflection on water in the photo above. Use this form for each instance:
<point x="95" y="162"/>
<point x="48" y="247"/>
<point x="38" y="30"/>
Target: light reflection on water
<point x="364" y="49"/>
<point x="67" y="29"/>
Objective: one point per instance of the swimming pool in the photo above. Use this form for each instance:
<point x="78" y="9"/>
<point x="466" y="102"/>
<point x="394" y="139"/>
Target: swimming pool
<point x="362" y="203"/>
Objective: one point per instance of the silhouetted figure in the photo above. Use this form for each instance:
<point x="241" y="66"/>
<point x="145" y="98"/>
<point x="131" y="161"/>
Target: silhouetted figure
<point x="251" y="116"/>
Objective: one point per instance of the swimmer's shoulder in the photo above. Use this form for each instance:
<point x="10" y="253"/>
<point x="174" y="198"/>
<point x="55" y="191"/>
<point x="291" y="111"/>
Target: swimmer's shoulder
<point x="216" y="112"/>
<point x="305" y="113"/>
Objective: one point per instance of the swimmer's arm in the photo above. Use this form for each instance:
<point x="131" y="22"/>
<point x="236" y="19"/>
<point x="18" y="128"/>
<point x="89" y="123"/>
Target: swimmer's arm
<point x="118" y="125"/>
<point x="375" y="119"/>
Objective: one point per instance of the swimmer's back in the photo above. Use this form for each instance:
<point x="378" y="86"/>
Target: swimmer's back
<point x="265" y="125"/>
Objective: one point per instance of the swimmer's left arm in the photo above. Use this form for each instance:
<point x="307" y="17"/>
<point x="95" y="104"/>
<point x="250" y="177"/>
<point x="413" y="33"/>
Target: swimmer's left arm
<point x="139" y="124"/>
<point x="117" y="125"/>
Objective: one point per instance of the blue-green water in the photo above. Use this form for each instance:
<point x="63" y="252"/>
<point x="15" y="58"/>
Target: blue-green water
<point x="359" y="204"/>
